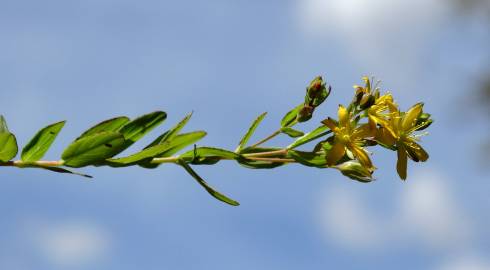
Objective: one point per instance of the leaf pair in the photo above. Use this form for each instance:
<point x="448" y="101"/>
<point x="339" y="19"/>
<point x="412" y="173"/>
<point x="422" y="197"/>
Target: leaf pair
<point x="109" y="138"/>
<point x="35" y="149"/>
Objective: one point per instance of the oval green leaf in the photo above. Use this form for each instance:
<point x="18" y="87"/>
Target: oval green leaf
<point x="40" y="143"/>
<point x="113" y="124"/>
<point x="136" y="129"/>
<point x="8" y="146"/>
<point x="93" y="149"/>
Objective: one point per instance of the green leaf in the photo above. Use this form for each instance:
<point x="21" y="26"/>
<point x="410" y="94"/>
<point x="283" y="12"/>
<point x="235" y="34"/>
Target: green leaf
<point x="258" y="164"/>
<point x="208" y="188"/>
<point x="8" y="146"/>
<point x="308" y="137"/>
<point x="291" y="132"/>
<point x="3" y="125"/>
<point x="310" y="159"/>
<point x="171" y="133"/>
<point x="63" y="170"/>
<point x="113" y="124"/>
<point x="250" y="132"/>
<point x="136" y="129"/>
<point x="290" y="116"/>
<point x="178" y="143"/>
<point x="40" y="143"/>
<point x="8" y="143"/>
<point x="93" y="149"/>
<point x="145" y="154"/>
<point x="207" y="155"/>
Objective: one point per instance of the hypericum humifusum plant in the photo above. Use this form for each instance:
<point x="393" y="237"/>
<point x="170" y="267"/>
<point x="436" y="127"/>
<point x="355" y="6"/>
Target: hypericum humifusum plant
<point x="370" y="119"/>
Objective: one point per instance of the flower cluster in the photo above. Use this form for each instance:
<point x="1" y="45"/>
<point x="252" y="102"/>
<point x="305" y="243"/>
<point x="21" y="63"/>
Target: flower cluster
<point x="385" y="125"/>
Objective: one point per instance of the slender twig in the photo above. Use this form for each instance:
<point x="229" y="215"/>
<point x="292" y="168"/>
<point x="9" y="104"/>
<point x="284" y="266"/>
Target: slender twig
<point x="277" y="132"/>
<point x="266" y="154"/>
<point x="288" y="160"/>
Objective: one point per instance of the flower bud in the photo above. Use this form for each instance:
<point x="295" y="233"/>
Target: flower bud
<point x="317" y="92"/>
<point x="354" y="170"/>
<point x="305" y="113"/>
<point x="315" y="87"/>
<point x="367" y="101"/>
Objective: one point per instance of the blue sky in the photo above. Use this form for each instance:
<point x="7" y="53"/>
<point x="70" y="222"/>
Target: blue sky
<point x="229" y="61"/>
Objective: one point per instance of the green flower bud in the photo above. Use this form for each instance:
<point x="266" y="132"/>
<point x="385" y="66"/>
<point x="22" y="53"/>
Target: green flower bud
<point x="317" y="92"/>
<point x="354" y="170"/>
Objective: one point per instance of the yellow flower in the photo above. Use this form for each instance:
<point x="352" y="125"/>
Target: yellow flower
<point x="381" y="111"/>
<point x="348" y="136"/>
<point x="401" y="135"/>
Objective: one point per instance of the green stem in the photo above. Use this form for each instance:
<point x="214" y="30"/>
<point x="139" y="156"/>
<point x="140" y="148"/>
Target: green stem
<point x="40" y="163"/>
<point x="286" y="160"/>
<point x="277" y="132"/>
<point x="266" y="154"/>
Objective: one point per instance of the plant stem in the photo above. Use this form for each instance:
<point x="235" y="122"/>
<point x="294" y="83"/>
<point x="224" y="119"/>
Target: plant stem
<point x="277" y="132"/>
<point x="39" y="163"/>
<point x="265" y="154"/>
<point x="164" y="160"/>
<point x="287" y="160"/>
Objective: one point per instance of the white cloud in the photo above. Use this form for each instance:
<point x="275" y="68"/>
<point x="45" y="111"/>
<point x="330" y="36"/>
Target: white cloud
<point x="348" y="222"/>
<point x="425" y="213"/>
<point x="370" y="18"/>
<point x="382" y="36"/>
<point x="72" y="244"/>
<point x="433" y="213"/>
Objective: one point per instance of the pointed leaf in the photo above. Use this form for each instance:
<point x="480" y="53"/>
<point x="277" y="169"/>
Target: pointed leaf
<point x="40" y="143"/>
<point x="168" y="135"/>
<point x="207" y="155"/>
<point x="258" y="164"/>
<point x="251" y="130"/>
<point x="208" y="188"/>
<point x="178" y="143"/>
<point x="290" y="116"/>
<point x="93" y="149"/>
<point x="145" y="154"/>
<point x="8" y="146"/>
<point x="308" y="137"/>
<point x="310" y="159"/>
<point x="3" y="125"/>
<point x="8" y="143"/>
<point x="137" y="128"/>
<point x="113" y="124"/>
<point x="291" y="132"/>
<point x="63" y="170"/>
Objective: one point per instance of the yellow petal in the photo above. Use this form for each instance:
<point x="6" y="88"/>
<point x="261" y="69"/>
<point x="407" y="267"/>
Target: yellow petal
<point x="410" y="116"/>
<point x="335" y="154"/>
<point x="343" y="116"/>
<point x="361" y="155"/>
<point x="401" y="164"/>
<point x="419" y="152"/>
<point x="363" y="131"/>
<point x="330" y="123"/>
<point x="385" y="137"/>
